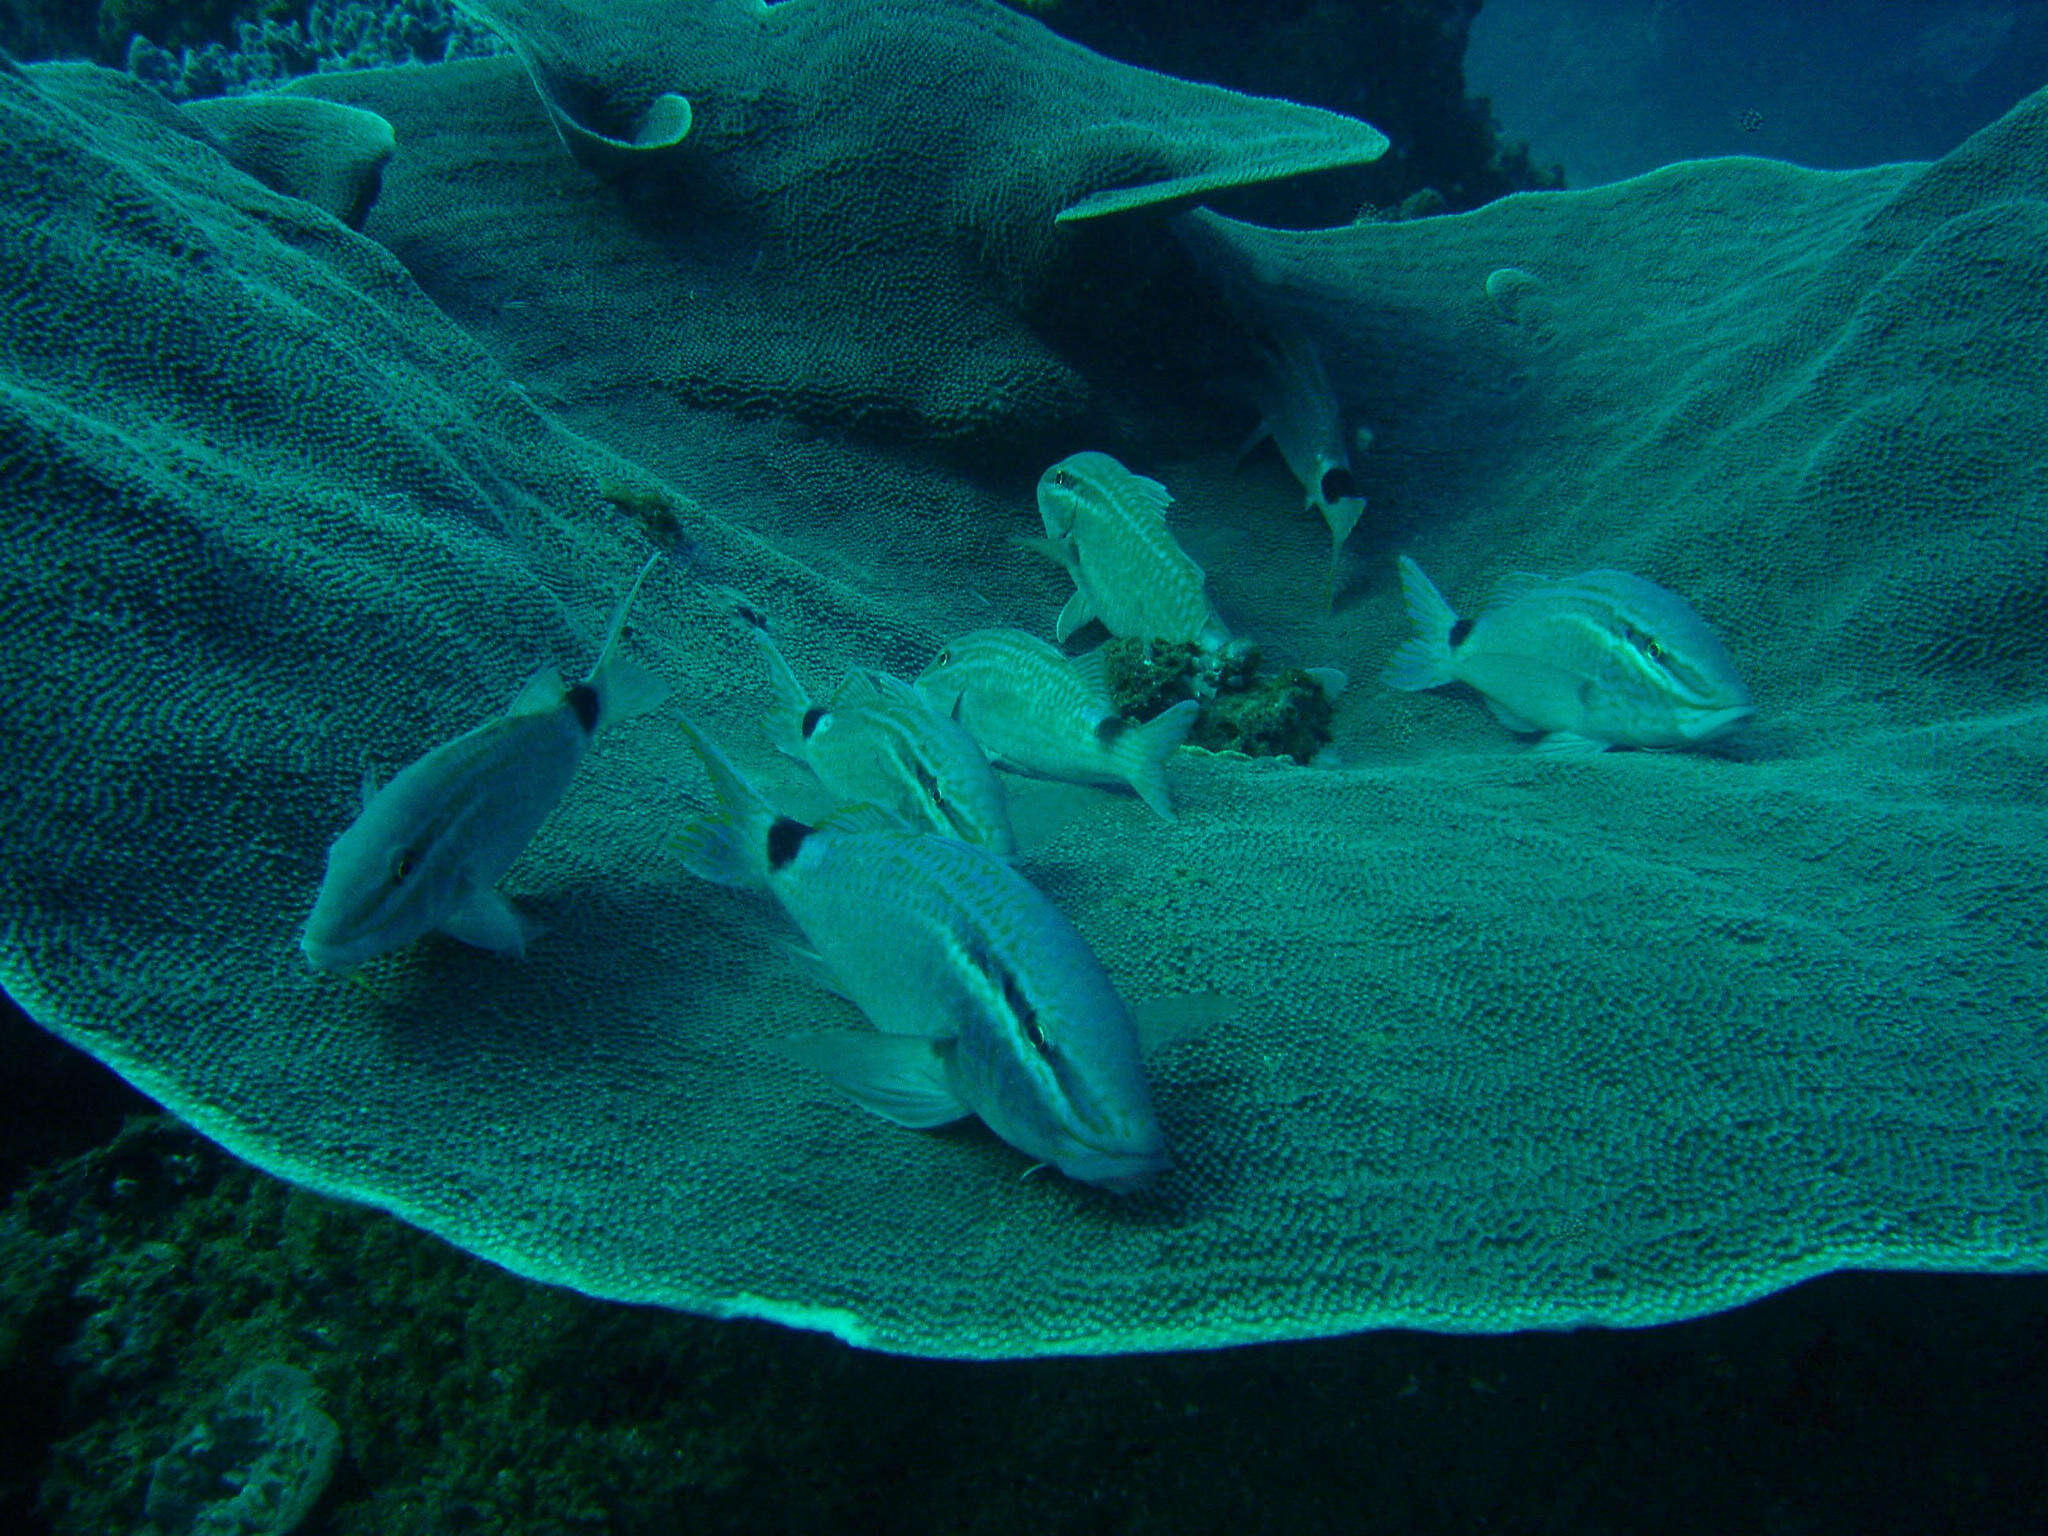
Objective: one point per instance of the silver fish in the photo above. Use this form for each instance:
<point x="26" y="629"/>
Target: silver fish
<point x="429" y="848"/>
<point x="1039" y="712"/>
<point x="1298" y="410"/>
<point x="1599" y="660"/>
<point x="986" y="1001"/>
<point x="1108" y="527"/>
<point x="878" y="741"/>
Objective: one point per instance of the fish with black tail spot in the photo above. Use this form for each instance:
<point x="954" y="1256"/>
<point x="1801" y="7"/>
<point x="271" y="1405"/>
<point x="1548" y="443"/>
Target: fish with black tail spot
<point x="1038" y="712"/>
<point x="877" y="740"/>
<point x="1603" y="659"/>
<point x="429" y="848"/>
<point x="986" y="1001"/>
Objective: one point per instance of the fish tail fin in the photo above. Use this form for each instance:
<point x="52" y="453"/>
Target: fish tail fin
<point x="730" y="845"/>
<point x="1423" y="661"/>
<point x="624" y="688"/>
<point x="786" y="724"/>
<point x="1142" y="751"/>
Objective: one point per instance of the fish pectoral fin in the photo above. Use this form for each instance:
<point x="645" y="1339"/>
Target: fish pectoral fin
<point x="1078" y="614"/>
<point x="902" y="1078"/>
<point x="1059" y="554"/>
<point x="487" y="920"/>
<point x="1569" y="744"/>
<point x="1509" y="718"/>
<point x="813" y="966"/>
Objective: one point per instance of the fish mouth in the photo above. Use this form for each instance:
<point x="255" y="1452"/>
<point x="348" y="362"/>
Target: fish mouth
<point x="1707" y="726"/>
<point x="1120" y="1170"/>
<point x="329" y="959"/>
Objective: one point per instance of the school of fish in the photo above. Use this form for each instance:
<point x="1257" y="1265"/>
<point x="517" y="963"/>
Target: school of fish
<point x="984" y="1001"/>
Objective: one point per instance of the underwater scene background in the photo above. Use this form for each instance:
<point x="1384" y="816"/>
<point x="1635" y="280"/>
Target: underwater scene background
<point x="1593" y="1019"/>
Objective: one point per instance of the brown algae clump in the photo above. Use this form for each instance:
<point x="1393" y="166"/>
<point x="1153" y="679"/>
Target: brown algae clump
<point x="1284" y="713"/>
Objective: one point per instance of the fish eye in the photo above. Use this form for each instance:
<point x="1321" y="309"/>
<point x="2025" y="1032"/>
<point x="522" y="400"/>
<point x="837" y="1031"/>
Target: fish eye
<point x="402" y="867"/>
<point x="1026" y="1015"/>
<point x="944" y="659"/>
<point x="1062" y="479"/>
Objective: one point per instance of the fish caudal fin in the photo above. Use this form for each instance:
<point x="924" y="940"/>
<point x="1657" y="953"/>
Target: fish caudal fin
<point x="1425" y="660"/>
<point x="729" y="846"/>
<point x="786" y="725"/>
<point x="624" y="688"/>
<point x="1142" y="750"/>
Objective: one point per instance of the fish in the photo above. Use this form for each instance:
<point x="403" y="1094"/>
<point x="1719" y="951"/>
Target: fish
<point x="878" y="741"/>
<point x="1298" y="409"/>
<point x="1603" y="659"/>
<point x="428" y="849"/>
<point x="1039" y="712"/>
<point x="1108" y="527"/>
<point x="986" y="1001"/>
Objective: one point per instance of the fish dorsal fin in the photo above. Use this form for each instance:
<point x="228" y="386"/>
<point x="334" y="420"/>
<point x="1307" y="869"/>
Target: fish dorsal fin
<point x="1514" y="586"/>
<point x="539" y="693"/>
<point x="857" y="687"/>
<point x="865" y="816"/>
<point x="1092" y="667"/>
<point x="890" y="687"/>
<point x="1149" y="495"/>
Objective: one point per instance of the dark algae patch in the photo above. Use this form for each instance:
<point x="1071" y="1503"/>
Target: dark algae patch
<point x="1246" y="708"/>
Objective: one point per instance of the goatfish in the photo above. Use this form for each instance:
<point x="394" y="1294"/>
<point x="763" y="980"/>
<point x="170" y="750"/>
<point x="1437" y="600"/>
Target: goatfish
<point x="1599" y="660"/>
<point x="985" y="999"/>
<point x="878" y="742"/>
<point x="429" y="848"/>
<point x="1038" y="712"/>
<point x="1298" y="410"/>
<point x="1108" y="527"/>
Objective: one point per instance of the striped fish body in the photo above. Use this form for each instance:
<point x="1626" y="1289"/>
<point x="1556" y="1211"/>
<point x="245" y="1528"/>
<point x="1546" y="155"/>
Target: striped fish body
<point x="933" y="938"/>
<point x="1129" y="571"/>
<point x="441" y="835"/>
<point x="429" y="848"/>
<point x="985" y="999"/>
<point x="878" y="741"/>
<point x="1299" y="409"/>
<point x="1038" y="712"/>
<point x="1601" y="659"/>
